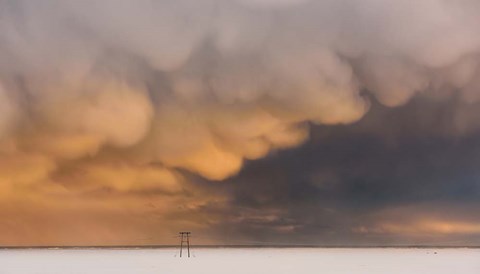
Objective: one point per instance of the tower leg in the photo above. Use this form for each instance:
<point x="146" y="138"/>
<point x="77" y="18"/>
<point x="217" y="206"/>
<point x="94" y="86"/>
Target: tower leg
<point x="181" y="244"/>
<point x="188" y="245"/>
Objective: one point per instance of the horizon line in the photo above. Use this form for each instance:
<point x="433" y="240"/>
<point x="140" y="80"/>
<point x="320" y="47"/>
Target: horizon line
<point x="229" y="246"/>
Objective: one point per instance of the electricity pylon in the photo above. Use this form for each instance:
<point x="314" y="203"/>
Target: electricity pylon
<point x="185" y="238"/>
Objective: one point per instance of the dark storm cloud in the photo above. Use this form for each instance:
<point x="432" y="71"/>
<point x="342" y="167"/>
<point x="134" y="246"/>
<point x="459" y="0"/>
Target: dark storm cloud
<point x="406" y="162"/>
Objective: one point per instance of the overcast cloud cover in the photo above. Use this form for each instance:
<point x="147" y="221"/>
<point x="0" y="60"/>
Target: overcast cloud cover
<point x="345" y="122"/>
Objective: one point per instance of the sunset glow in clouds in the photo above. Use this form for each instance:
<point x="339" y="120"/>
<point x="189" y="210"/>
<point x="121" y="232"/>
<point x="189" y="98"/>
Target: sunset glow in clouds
<point x="347" y="122"/>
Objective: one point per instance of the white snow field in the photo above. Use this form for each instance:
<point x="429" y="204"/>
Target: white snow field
<point x="242" y="260"/>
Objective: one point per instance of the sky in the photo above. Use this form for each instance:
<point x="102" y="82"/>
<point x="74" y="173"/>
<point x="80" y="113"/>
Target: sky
<point x="244" y="121"/>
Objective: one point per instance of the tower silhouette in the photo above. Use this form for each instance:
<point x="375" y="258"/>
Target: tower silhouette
<point x="185" y="238"/>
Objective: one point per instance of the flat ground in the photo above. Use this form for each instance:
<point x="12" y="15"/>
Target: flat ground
<point x="242" y="260"/>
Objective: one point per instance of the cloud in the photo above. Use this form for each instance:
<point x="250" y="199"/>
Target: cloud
<point x="134" y="94"/>
<point x="425" y="227"/>
<point x="79" y="69"/>
<point x="8" y="112"/>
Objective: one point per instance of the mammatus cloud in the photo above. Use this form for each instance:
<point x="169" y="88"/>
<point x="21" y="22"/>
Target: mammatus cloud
<point x="92" y="90"/>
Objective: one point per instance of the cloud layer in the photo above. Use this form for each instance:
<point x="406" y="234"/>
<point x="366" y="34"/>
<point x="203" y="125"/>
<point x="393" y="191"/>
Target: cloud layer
<point x="133" y="97"/>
